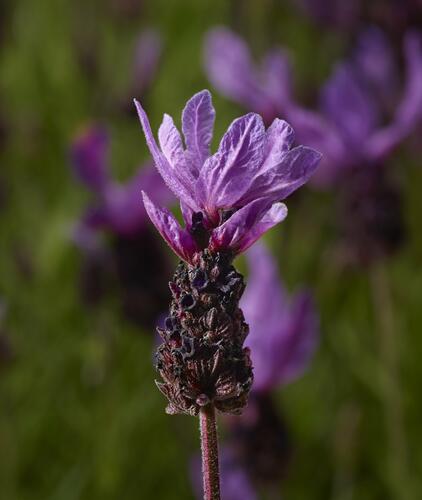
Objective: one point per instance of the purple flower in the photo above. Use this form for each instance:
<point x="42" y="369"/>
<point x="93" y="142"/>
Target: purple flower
<point x="283" y="332"/>
<point x="230" y="198"/>
<point x="117" y="206"/>
<point x="264" y="88"/>
<point x="146" y="58"/>
<point x="352" y="104"/>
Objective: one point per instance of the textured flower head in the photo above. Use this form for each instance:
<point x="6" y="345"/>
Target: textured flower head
<point x="117" y="206"/>
<point x="229" y="198"/>
<point x="283" y="332"/>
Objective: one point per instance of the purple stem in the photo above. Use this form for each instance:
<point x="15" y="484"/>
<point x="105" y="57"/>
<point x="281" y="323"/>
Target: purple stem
<point x="209" y="449"/>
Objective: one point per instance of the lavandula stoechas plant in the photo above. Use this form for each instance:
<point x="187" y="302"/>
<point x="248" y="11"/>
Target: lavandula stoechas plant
<point x="283" y="336"/>
<point x="114" y="233"/>
<point x="349" y="128"/>
<point x="228" y="200"/>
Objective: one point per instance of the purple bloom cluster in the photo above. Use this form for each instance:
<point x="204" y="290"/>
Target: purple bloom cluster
<point x="230" y="198"/>
<point x="349" y="128"/>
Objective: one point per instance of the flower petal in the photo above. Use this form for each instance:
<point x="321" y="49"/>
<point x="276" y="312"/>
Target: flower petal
<point x="409" y="112"/>
<point x="148" y="50"/>
<point x="293" y="170"/>
<point x="227" y="175"/>
<point x="179" y="240"/>
<point x="230" y="69"/>
<point x="172" y="147"/>
<point x="198" y="124"/>
<point x="283" y="335"/>
<point x="246" y="225"/>
<point x="177" y="180"/>
<point x="277" y="213"/>
<point x="349" y="106"/>
<point x="88" y="155"/>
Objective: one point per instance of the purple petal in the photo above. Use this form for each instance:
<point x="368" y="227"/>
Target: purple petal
<point x="276" y="77"/>
<point x="230" y="69"/>
<point x="89" y="157"/>
<point x="283" y="336"/>
<point x="314" y="130"/>
<point x="177" y="180"/>
<point x="198" y="124"/>
<point x="179" y="240"/>
<point x="172" y="147"/>
<point x="409" y="112"/>
<point x="277" y="213"/>
<point x="279" y="180"/>
<point x="279" y="138"/>
<point x="227" y="175"/>
<point x="246" y="225"/>
<point x="350" y="108"/>
<point x="374" y="59"/>
<point x="149" y="47"/>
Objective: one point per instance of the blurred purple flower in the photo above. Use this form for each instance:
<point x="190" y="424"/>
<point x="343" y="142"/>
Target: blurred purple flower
<point x="283" y="332"/>
<point x="148" y="51"/>
<point x="352" y="107"/>
<point x="228" y="199"/>
<point x="264" y="88"/>
<point x="348" y="129"/>
<point x="118" y="206"/>
<point x="133" y="257"/>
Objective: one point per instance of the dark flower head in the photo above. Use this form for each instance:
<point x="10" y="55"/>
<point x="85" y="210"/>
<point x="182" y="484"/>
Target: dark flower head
<point x="232" y="196"/>
<point x="283" y="332"/>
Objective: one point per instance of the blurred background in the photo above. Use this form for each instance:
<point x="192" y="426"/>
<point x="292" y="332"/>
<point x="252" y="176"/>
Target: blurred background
<point x="83" y="276"/>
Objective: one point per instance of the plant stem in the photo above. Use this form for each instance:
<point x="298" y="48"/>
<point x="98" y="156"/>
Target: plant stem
<point x="209" y="449"/>
<point x="390" y="361"/>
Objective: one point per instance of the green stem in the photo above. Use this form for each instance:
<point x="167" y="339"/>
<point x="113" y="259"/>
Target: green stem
<point x="390" y="360"/>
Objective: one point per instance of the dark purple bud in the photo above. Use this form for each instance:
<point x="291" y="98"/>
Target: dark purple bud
<point x="200" y="280"/>
<point x="187" y="302"/>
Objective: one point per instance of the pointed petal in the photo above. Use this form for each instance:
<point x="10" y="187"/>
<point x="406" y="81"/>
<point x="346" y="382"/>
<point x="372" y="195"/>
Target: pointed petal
<point x="172" y="147"/>
<point x="246" y="225"/>
<point x="179" y="240"/>
<point x="350" y="107"/>
<point x="226" y="176"/>
<point x="409" y="112"/>
<point x="198" y="124"/>
<point x="175" y="180"/>
<point x="230" y="69"/>
<point x="148" y="50"/>
<point x="277" y="213"/>
<point x="316" y="131"/>
<point x="293" y="170"/>
<point x="300" y="340"/>
<point x="88" y="155"/>
<point x="279" y="139"/>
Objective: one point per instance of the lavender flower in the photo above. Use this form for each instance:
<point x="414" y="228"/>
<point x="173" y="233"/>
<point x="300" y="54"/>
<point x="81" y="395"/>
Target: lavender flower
<point x="348" y="129"/>
<point x="117" y="211"/>
<point x="228" y="199"/>
<point x="264" y="88"/>
<point x="283" y="332"/>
